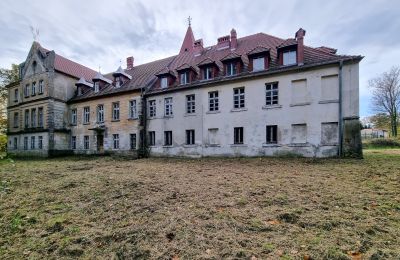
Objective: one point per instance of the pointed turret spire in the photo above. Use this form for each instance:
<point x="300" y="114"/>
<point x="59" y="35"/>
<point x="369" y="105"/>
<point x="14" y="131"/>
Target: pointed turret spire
<point x="188" y="42"/>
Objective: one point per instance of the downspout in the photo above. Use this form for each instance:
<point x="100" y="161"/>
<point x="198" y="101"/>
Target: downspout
<point x="340" y="109"/>
<point x="142" y="134"/>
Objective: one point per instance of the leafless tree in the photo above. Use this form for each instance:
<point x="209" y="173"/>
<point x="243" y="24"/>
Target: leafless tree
<point x="386" y="95"/>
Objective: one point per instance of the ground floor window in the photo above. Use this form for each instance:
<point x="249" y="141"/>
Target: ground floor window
<point x="15" y="143"/>
<point x="190" y="137"/>
<point x="40" y="142"/>
<point x="73" y="142"/>
<point x="167" y="138"/>
<point x="86" y="143"/>
<point x="32" y="142"/>
<point x="132" y="141"/>
<point x="116" y="141"/>
<point x="25" y="143"/>
<point x="152" y="138"/>
<point x="238" y="135"/>
<point x="272" y="131"/>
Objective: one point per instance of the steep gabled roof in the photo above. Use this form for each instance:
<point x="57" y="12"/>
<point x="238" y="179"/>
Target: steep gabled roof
<point x="72" y="68"/>
<point x="188" y="41"/>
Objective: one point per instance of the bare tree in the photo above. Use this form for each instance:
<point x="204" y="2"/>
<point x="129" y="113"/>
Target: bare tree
<point x="386" y="95"/>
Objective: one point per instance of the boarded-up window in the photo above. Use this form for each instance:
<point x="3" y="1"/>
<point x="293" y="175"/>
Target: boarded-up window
<point x="330" y="87"/>
<point x="329" y="133"/>
<point x="299" y="91"/>
<point x="213" y="136"/>
<point x="299" y="134"/>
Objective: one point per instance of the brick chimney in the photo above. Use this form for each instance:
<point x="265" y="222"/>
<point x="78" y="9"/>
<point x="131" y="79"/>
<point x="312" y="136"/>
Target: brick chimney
<point x="233" y="39"/>
<point x="224" y="42"/>
<point x="129" y="63"/>
<point x="198" y="47"/>
<point x="300" y="46"/>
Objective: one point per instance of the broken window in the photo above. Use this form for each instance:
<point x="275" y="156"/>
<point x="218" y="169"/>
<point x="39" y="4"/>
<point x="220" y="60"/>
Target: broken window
<point x="40" y="142"/>
<point x="115" y="111"/>
<point x="190" y="104"/>
<point x="116" y="141"/>
<point x="152" y="108"/>
<point x="238" y="135"/>
<point x="299" y="133"/>
<point x="132" y="141"/>
<point x="152" y="138"/>
<point x="73" y="142"/>
<point x="168" y="106"/>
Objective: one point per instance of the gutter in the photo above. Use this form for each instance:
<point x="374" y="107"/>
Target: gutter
<point x="340" y="121"/>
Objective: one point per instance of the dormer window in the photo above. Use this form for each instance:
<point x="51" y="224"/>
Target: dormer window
<point x="118" y="82"/>
<point x="184" y="78"/>
<point x="80" y="92"/>
<point x="207" y="73"/>
<point x="258" y="64"/>
<point x="164" y="82"/>
<point x="289" y="57"/>
<point x="96" y="87"/>
<point x="231" y="68"/>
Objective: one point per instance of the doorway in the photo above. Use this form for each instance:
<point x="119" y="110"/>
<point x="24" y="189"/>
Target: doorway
<point x="100" y="143"/>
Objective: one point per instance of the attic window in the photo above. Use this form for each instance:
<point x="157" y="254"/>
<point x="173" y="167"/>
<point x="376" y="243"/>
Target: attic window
<point x="34" y="65"/>
<point x="164" y="82"/>
<point x="184" y="78"/>
<point x="118" y="82"/>
<point x="289" y="57"/>
<point x="96" y="87"/>
<point x="80" y="92"/>
<point x="258" y="64"/>
<point x="231" y="69"/>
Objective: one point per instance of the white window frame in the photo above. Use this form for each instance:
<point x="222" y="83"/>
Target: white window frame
<point x="168" y="106"/>
<point x="115" y="141"/>
<point x="132" y="109"/>
<point x="231" y="68"/>
<point x="289" y="57"/>
<point x="271" y="93"/>
<point x="190" y="104"/>
<point x="184" y="78"/>
<point x="152" y="108"/>
<point x="208" y="73"/>
<point x="259" y="63"/>
<point x="239" y="98"/>
<point x="115" y="111"/>
<point x="100" y="113"/>
<point x="213" y="101"/>
<point x="86" y="115"/>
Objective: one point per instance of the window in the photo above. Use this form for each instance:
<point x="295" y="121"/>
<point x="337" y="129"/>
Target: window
<point x="238" y="97"/>
<point x="86" y="115"/>
<point x="33" y="117"/>
<point x="96" y="87"/>
<point x="32" y="142"/>
<point x="15" y="143"/>
<point x="40" y="90"/>
<point x="73" y="116"/>
<point x="152" y="108"/>
<point x="184" y="78"/>
<point x="25" y="143"/>
<point x="115" y="111"/>
<point x="167" y="138"/>
<point x="164" y="82"/>
<point x="86" y="143"/>
<point x="190" y="104"/>
<point x="168" y="106"/>
<point x="16" y="95"/>
<point x="116" y="141"/>
<point x="40" y="142"/>
<point x="299" y="133"/>
<point x="289" y="57"/>
<point x="16" y="119"/>
<point x="152" y="138"/>
<point x="238" y="135"/>
<point x="73" y="142"/>
<point x="100" y="114"/>
<point x="329" y="133"/>
<point x="207" y="73"/>
<point x="213" y="136"/>
<point x="132" y="141"/>
<point x="258" y="64"/>
<point x="118" y="82"/>
<point x="132" y="109"/>
<point x="80" y="91"/>
<point x="26" y="118"/>
<point x="33" y="88"/>
<point x="26" y="90"/>
<point x="40" y="117"/>
<point x="272" y="134"/>
<point x="271" y="94"/>
<point x="299" y="91"/>
<point x="213" y="102"/>
<point x="190" y="137"/>
<point x="231" y="69"/>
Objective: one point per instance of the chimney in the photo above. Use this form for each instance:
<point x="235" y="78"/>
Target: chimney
<point x="224" y="42"/>
<point x="300" y="46"/>
<point x="198" y="47"/>
<point x="129" y="63"/>
<point x="233" y="39"/>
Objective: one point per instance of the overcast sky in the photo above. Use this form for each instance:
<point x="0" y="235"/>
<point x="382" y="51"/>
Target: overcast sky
<point x="101" y="34"/>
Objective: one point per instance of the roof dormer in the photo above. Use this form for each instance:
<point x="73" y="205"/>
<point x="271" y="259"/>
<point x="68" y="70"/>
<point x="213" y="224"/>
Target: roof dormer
<point x="166" y="78"/>
<point x="187" y="74"/>
<point x="259" y="58"/>
<point x="233" y="64"/>
<point x="120" y="77"/>
<point x="208" y="69"/>
<point x="83" y="86"/>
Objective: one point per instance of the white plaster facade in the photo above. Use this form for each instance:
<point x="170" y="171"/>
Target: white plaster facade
<point x="314" y="103"/>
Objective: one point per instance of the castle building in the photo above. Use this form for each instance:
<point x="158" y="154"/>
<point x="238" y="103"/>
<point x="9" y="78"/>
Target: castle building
<point x="257" y="95"/>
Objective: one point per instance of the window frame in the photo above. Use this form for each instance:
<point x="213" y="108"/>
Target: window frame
<point x="152" y="108"/>
<point x="96" y="86"/>
<point x="40" y="142"/>
<point x="16" y="120"/>
<point x="33" y="142"/>
<point x="271" y="137"/>
<point x="115" y="138"/>
<point x="238" y="135"/>
<point x="261" y="60"/>
<point x="86" y="115"/>
<point x="16" y="95"/>
<point x="26" y="91"/>
<point x="190" y="137"/>
<point x="15" y="144"/>
<point x="33" y="89"/>
<point x="213" y="101"/>
<point x="26" y="143"/>
<point x="231" y="68"/>
<point x="40" y="122"/>
<point x="73" y="142"/>
<point x="100" y="113"/>
<point x="289" y="54"/>
<point x="26" y="118"/>
<point x="168" y="107"/>
<point x="167" y="138"/>
<point x="239" y="98"/>
<point x="132" y="106"/>
<point x="86" y="142"/>
<point x="151" y="138"/>
<point x="115" y="111"/>
<point x="272" y="93"/>
<point x="208" y="73"/>
<point x="132" y="141"/>
<point x="191" y="104"/>
<point x="184" y="75"/>
<point x="74" y="113"/>
<point x="33" y="117"/>
<point x="40" y="88"/>
<point x="164" y="82"/>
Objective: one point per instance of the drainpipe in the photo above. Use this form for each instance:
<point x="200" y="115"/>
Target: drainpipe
<point x="143" y="131"/>
<point x="340" y="109"/>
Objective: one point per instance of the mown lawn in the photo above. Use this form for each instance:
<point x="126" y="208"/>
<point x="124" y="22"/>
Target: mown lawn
<point x="259" y="208"/>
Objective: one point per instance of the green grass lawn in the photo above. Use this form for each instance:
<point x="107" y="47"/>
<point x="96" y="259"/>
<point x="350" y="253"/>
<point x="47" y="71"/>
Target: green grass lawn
<point x="237" y="208"/>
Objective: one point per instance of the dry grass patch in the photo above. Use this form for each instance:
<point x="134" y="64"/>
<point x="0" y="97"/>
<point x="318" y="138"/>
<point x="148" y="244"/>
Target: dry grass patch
<point x="202" y="208"/>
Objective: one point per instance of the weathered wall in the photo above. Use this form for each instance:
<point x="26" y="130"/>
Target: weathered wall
<point x="20" y="151"/>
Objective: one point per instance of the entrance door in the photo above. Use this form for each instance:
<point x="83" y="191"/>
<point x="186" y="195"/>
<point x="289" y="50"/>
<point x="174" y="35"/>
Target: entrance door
<point x="100" y="143"/>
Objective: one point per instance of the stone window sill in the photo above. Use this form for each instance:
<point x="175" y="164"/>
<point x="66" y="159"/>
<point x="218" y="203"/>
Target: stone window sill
<point x="115" y="120"/>
<point x="238" y="109"/>
<point x="270" y="145"/>
<point x="171" y="116"/>
<point x="213" y="145"/>
<point x="299" y="145"/>
<point x="190" y="145"/>
<point x="300" y="104"/>
<point x="213" y="112"/>
<point x="328" y="101"/>
<point x="167" y="146"/>
<point x="190" y="114"/>
<point x="238" y="145"/>
<point x="272" y="107"/>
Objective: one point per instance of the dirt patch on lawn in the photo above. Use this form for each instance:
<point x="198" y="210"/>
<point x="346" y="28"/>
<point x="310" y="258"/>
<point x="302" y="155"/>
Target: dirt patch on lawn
<point x="260" y="208"/>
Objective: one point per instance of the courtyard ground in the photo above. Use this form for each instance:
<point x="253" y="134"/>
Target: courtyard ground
<point x="246" y="208"/>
